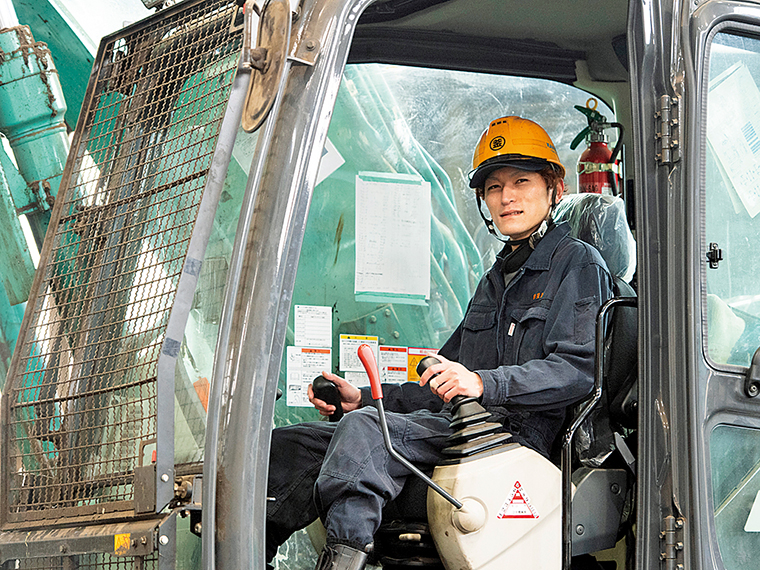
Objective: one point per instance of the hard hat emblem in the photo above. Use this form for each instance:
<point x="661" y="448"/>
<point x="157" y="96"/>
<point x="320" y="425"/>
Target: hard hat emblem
<point x="497" y="143"/>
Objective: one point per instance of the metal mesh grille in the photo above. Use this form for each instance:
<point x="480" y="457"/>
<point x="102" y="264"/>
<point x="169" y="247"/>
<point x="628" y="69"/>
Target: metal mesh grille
<point x="83" y="394"/>
<point x="85" y="562"/>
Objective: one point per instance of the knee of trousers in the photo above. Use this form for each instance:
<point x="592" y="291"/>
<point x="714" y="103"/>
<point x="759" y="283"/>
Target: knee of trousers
<point x="358" y="431"/>
<point x="357" y="451"/>
<point x="288" y="440"/>
<point x="294" y="450"/>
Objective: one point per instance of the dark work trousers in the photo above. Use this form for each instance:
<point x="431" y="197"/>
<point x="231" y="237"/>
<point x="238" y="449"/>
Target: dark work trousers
<point x="342" y="473"/>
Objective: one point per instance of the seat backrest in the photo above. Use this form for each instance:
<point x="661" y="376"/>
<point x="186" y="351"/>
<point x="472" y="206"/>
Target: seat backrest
<point x="621" y="373"/>
<point x="601" y="221"/>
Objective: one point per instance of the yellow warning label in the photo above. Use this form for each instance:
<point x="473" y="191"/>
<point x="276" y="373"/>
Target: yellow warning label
<point x="121" y="544"/>
<point x="413" y="359"/>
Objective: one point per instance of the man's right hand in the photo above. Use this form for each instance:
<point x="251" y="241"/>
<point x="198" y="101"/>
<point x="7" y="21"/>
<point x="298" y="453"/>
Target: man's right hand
<point x="350" y="396"/>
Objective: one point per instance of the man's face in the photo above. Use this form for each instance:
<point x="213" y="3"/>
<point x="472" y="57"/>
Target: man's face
<point x="518" y="200"/>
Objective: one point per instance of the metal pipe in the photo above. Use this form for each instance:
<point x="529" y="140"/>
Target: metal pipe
<point x="32" y="110"/>
<point x="196" y="250"/>
<point x="567" y="485"/>
<point x="211" y="448"/>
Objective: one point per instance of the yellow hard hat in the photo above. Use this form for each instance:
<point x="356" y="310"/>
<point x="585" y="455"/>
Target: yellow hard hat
<point x="513" y="141"/>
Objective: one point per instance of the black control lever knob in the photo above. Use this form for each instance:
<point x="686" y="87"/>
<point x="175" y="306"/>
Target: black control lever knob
<point x="426" y="363"/>
<point x="327" y="391"/>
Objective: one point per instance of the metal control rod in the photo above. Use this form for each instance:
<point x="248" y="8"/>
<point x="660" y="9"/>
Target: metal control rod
<point x="368" y="360"/>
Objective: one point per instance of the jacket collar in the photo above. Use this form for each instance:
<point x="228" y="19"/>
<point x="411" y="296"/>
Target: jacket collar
<point x="541" y="257"/>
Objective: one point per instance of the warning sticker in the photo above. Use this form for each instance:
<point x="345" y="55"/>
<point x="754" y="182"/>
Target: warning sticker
<point x="517" y="506"/>
<point x="413" y="359"/>
<point x="121" y="544"/>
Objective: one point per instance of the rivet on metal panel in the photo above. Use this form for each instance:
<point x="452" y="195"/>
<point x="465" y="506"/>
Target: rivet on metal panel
<point x="164" y="540"/>
<point x="164" y="477"/>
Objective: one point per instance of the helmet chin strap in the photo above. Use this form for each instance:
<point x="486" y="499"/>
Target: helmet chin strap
<point x="488" y="222"/>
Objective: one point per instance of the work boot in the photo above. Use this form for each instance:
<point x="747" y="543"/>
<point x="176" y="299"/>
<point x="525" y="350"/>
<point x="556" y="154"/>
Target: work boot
<point x="341" y="557"/>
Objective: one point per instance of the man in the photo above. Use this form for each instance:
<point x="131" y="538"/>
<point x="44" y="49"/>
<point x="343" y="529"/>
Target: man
<point x="525" y="348"/>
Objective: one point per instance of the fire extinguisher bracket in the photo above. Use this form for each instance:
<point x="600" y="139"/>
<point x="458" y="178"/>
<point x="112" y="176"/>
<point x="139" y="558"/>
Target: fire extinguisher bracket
<point x="586" y="167"/>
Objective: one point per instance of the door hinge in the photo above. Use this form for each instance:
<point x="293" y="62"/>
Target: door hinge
<point x="668" y="130"/>
<point x="672" y="543"/>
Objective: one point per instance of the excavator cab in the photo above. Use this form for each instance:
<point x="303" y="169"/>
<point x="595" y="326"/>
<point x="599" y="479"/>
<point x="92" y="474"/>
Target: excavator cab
<point x="256" y="188"/>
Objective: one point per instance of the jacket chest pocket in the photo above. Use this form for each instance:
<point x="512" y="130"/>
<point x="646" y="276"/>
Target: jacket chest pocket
<point x="525" y="334"/>
<point x="478" y="349"/>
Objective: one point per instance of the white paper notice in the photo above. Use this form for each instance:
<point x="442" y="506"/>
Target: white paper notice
<point x="313" y="325"/>
<point x="349" y="344"/>
<point x="331" y="161"/>
<point x="393" y="361"/>
<point x="392" y="238"/>
<point x="358" y="379"/>
<point x="733" y="132"/>
<point x="305" y="364"/>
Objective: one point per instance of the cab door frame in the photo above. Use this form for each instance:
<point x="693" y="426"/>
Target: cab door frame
<point x="718" y="393"/>
<point x="664" y="289"/>
<point x="260" y="284"/>
<point x="681" y="396"/>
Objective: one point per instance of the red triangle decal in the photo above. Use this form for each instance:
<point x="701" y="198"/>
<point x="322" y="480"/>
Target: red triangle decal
<point x="517" y="506"/>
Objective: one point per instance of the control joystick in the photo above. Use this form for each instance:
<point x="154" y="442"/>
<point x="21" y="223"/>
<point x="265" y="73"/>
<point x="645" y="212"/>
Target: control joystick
<point x="472" y="433"/>
<point x="327" y="391"/>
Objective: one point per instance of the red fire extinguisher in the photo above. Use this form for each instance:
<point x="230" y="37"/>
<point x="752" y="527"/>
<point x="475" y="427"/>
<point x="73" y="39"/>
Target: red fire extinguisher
<point x="597" y="166"/>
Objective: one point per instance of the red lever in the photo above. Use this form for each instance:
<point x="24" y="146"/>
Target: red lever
<point x="367" y="356"/>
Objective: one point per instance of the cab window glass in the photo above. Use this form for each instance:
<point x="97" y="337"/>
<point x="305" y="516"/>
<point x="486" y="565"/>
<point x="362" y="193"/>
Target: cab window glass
<point x="401" y="141"/>
<point x="732" y="227"/>
<point x="394" y="176"/>
<point x="735" y="459"/>
<point x="732" y="200"/>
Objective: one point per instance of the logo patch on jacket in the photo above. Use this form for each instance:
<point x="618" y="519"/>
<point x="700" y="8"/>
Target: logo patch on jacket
<point x="537" y="296"/>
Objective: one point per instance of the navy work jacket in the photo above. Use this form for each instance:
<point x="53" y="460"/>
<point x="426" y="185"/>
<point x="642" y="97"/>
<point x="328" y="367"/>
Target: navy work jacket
<point x="531" y="342"/>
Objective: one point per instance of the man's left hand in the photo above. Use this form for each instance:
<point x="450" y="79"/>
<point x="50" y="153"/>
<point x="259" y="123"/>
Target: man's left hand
<point x="452" y="379"/>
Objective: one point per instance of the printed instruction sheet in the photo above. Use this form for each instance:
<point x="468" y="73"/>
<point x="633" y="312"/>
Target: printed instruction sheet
<point x="349" y="345"/>
<point x="393" y="361"/>
<point x="305" y="364"/>
<point x="392" y="238"/>
<point x="313" y="325"/>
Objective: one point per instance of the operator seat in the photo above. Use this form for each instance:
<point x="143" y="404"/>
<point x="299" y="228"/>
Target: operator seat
<point x="404" y="540"/>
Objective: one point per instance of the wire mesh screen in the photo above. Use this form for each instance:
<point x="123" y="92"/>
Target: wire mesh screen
<point x="85" y="562"/>
<point x="82" y="394"/>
